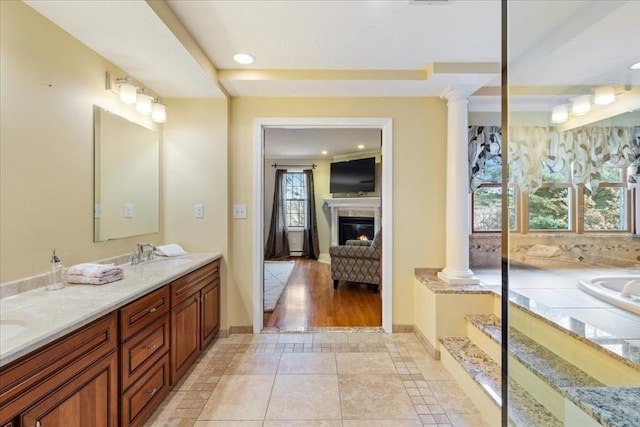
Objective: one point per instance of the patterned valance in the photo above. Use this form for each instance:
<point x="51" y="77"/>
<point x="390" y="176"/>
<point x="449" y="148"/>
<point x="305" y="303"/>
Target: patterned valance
<point x="585" y="150"/>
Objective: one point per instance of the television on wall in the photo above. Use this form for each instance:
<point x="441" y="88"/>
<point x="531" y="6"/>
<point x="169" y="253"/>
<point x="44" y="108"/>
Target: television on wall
<point x="353" y="176"/>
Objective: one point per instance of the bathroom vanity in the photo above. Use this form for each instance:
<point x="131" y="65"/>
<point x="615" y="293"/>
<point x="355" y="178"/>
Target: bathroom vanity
<point x="112" y="359"/>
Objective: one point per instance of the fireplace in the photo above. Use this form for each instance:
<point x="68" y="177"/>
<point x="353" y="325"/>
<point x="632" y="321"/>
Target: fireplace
<point x="354" y="228"/>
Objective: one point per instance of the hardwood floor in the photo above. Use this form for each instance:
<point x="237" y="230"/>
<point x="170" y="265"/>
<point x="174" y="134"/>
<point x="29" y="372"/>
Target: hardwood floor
<point x="309" y="300"/>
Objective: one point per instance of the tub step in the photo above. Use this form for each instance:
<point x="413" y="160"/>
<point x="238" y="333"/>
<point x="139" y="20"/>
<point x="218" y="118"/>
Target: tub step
<point x="524" y="410"/>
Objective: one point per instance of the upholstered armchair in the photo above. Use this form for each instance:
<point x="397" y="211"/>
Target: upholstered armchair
<point x="357" y="261"/>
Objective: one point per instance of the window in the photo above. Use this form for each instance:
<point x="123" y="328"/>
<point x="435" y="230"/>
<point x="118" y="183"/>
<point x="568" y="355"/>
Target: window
<point x="295" y="199"/>
<point x="487" y="200"/>
<point x="557" y="205"/>
<point x="549" y="207"/>
<point x="607" y="208"/>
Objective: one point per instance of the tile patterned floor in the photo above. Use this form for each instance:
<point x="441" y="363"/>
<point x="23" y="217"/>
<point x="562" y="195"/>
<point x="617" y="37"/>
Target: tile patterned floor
<point x="332" y="379"/>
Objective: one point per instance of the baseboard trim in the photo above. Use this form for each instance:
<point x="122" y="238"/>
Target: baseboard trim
<point x="427" y="345"/>
<point x="240" y="330"/>
<point x="402" y="329"/>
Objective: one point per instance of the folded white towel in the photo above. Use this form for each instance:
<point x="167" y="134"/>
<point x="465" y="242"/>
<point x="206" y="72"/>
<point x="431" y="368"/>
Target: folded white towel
<point x="89" y="269"/>
<point x="172" y="249"/>
<point x="108" y="278"/>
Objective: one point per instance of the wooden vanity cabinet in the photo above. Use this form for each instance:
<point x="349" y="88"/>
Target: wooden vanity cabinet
<point x="70" y="382"/>
<point x="144" y="356"/>
<point x="195" y="316"/>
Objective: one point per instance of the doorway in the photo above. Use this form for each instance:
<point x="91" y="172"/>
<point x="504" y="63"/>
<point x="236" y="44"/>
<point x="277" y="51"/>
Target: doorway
<point x="386" y="127"/>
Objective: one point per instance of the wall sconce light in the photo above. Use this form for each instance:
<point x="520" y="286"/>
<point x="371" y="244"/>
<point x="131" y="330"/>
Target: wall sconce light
<point x="581" y="105"/>
<point x="143" y="103"/>
<point x="560" y="113"/>
<point x="604" y="95"/>
<point x="158" y="111"/>
<point x="128" y="91"/>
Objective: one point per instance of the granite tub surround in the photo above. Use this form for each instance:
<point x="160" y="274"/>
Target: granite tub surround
<point x="429" y="277"/>
<point x="622" y="349"/>
<point x="43" y="316"/>
<point x="610" y="407"/>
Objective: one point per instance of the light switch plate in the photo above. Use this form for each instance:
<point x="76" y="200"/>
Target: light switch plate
<point x="128" y="210"/>
<point x="239" y="211"/>
<point x="198" y="210"/>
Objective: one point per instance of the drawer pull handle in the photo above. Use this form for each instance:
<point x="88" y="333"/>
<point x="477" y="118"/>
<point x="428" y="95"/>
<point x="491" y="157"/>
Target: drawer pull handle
<point x="152" y="347"/>
<point x="152" y="309"/>
<point x="152" y="392"/>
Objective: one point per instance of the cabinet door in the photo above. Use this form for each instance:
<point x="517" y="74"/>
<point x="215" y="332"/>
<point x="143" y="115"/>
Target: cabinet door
<point x="185" y="336"/>
<point x="89" y="400"/>
<point x="210" y="312"/>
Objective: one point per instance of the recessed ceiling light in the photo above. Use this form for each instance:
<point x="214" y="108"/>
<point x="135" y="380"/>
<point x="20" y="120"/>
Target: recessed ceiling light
<point x="360" y="147"/>
<point x="324" y="151"/>
<point x="243" y="58"/>
<point x="635" y="66"/>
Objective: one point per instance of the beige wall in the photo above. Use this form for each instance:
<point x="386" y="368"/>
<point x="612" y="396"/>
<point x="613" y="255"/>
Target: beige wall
<point x="49" y="84"/>
<point x="419" y="133"/>
<point x="195" y="172"/>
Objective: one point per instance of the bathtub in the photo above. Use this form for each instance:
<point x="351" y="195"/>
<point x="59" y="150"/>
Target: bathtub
<point x="621" y="291"/>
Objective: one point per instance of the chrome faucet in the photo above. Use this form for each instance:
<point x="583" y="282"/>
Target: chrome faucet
<point x="139" y="255"/>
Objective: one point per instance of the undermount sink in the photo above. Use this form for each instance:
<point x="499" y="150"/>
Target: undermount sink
<point x="159" y="263"/>
<point x="10" y="328"/>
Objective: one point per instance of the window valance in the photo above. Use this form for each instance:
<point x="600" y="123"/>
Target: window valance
<point x="585" y="150"/>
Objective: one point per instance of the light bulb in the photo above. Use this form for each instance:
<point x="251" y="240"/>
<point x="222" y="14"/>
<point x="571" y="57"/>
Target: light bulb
<point x="158" y="112"/>
<point x="559" y="113"/>
<point x="243" y="58"/>
<point x="143" y="104"/>
<point x="581" y="105"/>
<point x="128" y="93"/>
<point x="604" y="95"/>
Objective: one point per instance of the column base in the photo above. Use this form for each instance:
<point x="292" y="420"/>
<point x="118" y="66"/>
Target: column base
<point x="453" y="277"/>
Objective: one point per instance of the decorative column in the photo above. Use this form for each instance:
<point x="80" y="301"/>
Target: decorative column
<point x="456" y="271"/>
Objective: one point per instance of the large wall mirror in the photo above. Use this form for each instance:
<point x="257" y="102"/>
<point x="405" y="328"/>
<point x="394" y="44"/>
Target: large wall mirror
<point x="126" y="177"/>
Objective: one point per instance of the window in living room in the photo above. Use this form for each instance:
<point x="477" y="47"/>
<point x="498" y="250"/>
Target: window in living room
<point x="295" y="201"/>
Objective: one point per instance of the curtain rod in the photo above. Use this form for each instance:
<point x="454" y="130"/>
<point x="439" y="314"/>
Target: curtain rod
<point x="312" y="165"/>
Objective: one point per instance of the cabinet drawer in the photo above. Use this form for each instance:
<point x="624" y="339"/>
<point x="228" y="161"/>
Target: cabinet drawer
<point x="187" y="285"/>
<point x="145" y="394"/>
<point x="25" y="380"/>
<point x="143" y="350"/>
<point x="141" y="313"/>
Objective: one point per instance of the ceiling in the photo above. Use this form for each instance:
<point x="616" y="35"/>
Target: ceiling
<point x="314" y="48"/>
<point x="309" y="143"/>
<point x="353" y="47"/>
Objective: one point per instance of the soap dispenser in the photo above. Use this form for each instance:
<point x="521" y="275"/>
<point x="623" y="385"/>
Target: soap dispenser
<point x="57" y="281"/>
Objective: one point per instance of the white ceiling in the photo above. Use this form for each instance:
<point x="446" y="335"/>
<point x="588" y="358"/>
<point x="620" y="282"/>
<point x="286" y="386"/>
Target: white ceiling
<point x="319" y="48"/>
<point x="308" y="143"/>
<point x="389" y="48"/>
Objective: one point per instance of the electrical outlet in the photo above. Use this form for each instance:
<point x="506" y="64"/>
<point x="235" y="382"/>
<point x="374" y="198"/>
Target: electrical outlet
<point x="199" y="211"/>
<point x="240" y="211"/>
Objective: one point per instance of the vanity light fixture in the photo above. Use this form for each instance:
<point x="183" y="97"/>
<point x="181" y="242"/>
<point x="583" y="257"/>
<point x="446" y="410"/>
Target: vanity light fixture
<point x="604" y="95"/>
<point x="158" y="111"/>
<point x="128" y="91"/>
<point x="243" y="58"/>
<point x="581" y="105"/>
<point x="560" y="113"/>
<point x="143" y="103"/>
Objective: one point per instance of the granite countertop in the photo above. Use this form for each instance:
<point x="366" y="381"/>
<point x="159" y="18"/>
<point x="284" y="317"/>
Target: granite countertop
<point x="610" y="406"/>
<point x="48" y="315"/>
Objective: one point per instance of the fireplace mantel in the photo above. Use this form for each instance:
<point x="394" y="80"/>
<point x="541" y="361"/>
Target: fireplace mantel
<point x="360" y="204"/>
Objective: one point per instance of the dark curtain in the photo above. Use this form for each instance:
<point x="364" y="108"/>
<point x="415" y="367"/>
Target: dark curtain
<point x="278" y="242"/>
<point x="310" y="245"/>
